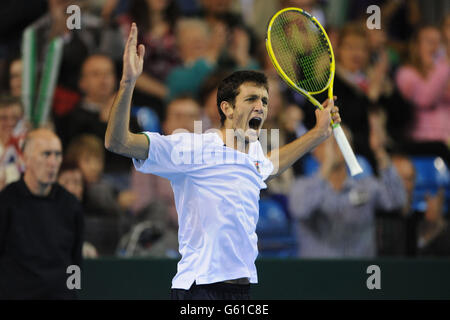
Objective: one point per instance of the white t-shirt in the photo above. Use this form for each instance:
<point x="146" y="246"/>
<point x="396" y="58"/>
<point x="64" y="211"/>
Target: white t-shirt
<point x="216" y="191"/>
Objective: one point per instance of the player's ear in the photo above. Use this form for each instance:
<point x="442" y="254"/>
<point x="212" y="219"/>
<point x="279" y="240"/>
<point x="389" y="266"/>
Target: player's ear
<point x="227" y="109"/>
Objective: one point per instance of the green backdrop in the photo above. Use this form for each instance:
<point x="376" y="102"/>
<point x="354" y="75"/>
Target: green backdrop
<point x="112" y="278"/>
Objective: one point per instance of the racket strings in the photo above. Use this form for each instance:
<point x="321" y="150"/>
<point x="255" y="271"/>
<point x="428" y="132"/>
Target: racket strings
<point x="301" y="50"/>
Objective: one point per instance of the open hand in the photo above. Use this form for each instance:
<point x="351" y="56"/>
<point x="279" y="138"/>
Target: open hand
<point x="133" y="57"/>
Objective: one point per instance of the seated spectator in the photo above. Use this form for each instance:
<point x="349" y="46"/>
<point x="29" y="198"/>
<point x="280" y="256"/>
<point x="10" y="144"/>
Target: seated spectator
<point x="425" y="82"/>
<point x="156" y="21"/>
<point x="70" y="177"/>
<point x="335" y="214"/>
<point x="431" y="230"/>
<point x="12" y="134"/>
<point x="90" y="116"/>
<point x="311" y="6"/>
<point x="77" y="45"/>
<point x="358" y="87"/>
<point x="240" y="42"/>
<point x="105" y="206"/>
<point x="199" y="51"/>
<point x="41" y="226"/>
<point x="100" y="197"/>
<point x="15" y="77"/>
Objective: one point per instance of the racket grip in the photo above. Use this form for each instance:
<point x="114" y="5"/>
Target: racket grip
<point x="347" y="151"/>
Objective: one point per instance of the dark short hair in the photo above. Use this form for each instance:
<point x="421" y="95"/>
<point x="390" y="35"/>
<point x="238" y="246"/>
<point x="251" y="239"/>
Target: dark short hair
<point x="229" y="87"/>
<point x="68" y="165"/>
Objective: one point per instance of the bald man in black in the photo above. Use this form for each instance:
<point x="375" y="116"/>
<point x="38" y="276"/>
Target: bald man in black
<point x="40" y="226"/>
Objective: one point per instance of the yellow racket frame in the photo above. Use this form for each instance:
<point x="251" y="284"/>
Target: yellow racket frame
<point x="280" y="71"/>
<point x="339" y="135"/>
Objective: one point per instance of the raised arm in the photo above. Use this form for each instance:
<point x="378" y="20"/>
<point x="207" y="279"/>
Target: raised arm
<point x="284" y="157"/>
<point x="118" y="138"/>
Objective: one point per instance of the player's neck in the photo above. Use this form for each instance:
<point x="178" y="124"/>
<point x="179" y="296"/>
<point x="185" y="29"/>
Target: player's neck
<point x="230" y="140"/>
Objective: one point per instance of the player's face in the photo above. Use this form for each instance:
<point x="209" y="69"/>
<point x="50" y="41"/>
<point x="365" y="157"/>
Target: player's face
<point x="250" y="111"/>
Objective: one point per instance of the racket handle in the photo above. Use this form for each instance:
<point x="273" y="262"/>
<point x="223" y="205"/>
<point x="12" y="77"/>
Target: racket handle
<point x="347" y="151"/>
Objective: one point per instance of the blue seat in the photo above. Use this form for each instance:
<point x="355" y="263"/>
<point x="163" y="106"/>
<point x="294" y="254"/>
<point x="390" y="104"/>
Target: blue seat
<point x="311" y="166"/>
<point x="431" y="174"/>
<point x="276" y="234"/>
<point x="147" y="118"/>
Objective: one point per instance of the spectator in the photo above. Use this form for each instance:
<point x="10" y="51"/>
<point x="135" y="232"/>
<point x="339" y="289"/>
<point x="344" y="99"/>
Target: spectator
<point x="240" y="45"/>
<point x="199" y="51"/>
<point x="77" y="45"/>
<point x="335" y="213"/>
<point x="37" y="208"/>
<point x="71" y="178"/>
<point x="12" y="134"/>
<point x="240" y="42"/>
<point x="156" y="21"/>
<point x="105" y="206"/>
<point x="90" y="116"/>
<point x="100" y="197"/>
<point x="431" y="231"/>
<point x="425" y="82"/>
<point x="310" y="6"/>
<point x="356" y="87"/>
<point x="15" y="77"/>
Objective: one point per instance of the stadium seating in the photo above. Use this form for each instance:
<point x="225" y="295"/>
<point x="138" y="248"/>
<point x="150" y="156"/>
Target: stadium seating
<point x="311" y="166"/>
<point x="431" y="174"/>
<point x="276" y="234"/>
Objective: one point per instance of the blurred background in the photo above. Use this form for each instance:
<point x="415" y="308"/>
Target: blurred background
<point x="392" y="86"/>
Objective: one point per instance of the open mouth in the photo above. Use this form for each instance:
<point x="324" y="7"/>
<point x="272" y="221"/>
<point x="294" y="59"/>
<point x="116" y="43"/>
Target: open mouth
<point x="254" y="123"/>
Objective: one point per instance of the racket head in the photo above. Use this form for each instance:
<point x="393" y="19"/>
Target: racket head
<point x="301" y="52"/>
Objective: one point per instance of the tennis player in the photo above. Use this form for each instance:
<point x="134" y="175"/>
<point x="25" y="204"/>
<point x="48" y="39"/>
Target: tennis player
<point x="216" y="177"/>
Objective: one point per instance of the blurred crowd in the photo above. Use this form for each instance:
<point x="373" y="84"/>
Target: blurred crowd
<point x="392" y="86"/>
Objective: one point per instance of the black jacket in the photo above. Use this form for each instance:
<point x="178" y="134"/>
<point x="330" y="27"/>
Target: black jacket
<point x="39" y="238"/>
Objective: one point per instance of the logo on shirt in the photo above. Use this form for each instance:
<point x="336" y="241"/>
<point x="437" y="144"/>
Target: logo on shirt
<point x="257" y="166"/>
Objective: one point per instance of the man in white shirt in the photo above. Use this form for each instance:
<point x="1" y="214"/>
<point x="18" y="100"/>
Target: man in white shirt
<point x="216" y="177"/>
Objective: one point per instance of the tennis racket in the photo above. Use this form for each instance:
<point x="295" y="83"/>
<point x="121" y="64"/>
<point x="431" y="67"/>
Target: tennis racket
<point x="301" y="52"/>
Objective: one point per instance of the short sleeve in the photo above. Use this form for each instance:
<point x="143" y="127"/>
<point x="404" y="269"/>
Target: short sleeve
<point x="168" y="156"/>
<point x="265" y="165"/>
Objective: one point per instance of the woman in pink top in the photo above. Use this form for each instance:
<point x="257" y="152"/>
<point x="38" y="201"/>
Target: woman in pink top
<point x="425" y="81"/>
